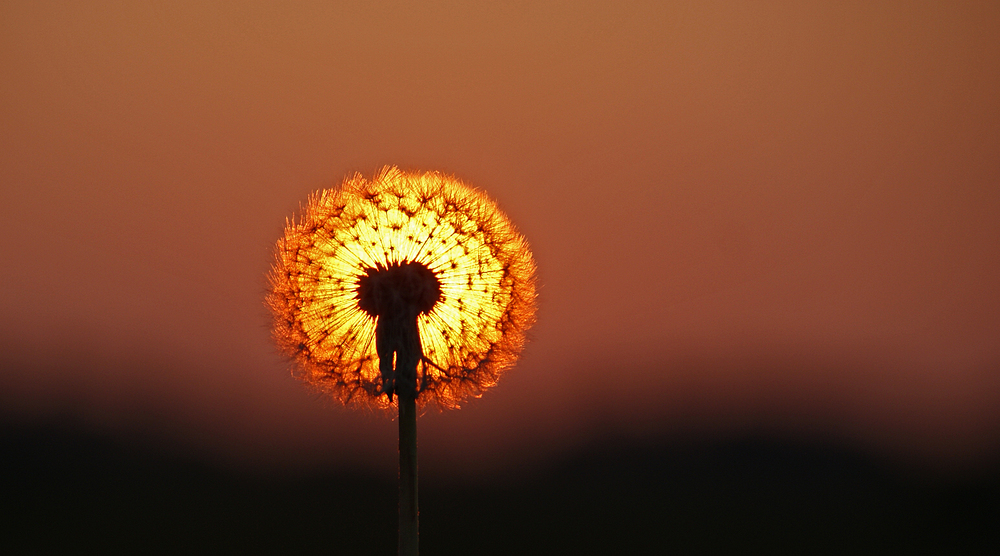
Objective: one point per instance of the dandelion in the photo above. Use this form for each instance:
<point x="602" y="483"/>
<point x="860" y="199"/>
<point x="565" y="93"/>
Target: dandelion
<point x="367" y="261"/>
<point x="406" y="289"/>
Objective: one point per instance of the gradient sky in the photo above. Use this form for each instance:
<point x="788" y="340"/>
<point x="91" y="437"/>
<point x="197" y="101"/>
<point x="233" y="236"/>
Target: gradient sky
<point x="778" y="216"/>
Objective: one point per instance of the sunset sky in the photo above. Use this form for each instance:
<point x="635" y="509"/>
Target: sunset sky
<point x="748" y="217"/>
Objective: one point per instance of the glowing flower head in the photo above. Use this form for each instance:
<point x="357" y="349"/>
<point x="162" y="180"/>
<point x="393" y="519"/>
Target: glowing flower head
<point x="416" y="267"/>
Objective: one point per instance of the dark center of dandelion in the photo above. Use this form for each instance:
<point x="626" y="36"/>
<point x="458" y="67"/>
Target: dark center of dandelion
<point x="395" y="295"/>
<point x="399" y="287"/>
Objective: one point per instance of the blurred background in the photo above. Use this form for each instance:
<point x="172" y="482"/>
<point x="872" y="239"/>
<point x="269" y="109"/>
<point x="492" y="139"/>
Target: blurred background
<point x="768" y="239"/>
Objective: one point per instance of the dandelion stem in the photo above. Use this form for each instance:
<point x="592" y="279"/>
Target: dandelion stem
<point x="409" y="522"/>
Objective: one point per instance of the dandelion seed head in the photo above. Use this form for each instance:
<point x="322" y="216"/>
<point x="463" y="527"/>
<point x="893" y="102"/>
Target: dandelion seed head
<point x="424" y="241"/>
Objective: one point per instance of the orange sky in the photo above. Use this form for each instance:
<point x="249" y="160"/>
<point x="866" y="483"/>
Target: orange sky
<point x="780" y="216"/>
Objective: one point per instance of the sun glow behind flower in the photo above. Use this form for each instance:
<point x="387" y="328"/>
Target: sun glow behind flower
<point x="472" y="333"/>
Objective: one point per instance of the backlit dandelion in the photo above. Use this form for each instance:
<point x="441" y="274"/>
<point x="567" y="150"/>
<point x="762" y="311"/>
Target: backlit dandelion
<point x="403" y="289"/>
<point x="459" y="264"/>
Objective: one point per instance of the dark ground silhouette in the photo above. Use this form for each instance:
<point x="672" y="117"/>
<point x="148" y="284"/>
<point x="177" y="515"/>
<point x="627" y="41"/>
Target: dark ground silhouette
<point x="67" y="491"/>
